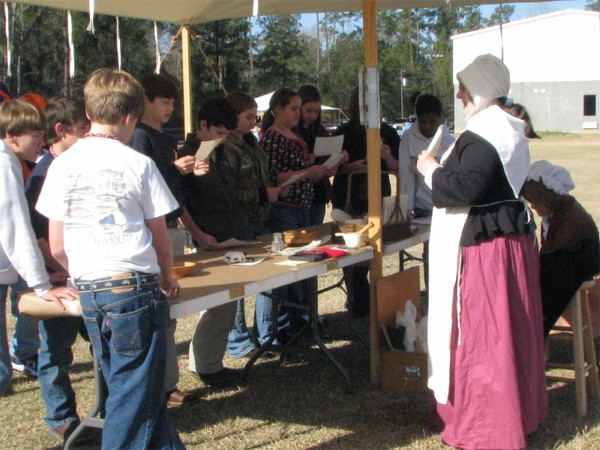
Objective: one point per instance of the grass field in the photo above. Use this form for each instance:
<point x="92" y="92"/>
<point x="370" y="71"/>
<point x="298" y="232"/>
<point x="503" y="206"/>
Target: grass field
<point x="302" y="404"/>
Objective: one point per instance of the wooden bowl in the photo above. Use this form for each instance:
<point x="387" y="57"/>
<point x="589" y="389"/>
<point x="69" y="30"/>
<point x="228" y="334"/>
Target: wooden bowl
<point x="182" y="269"/>
<point x="299" y="237"/>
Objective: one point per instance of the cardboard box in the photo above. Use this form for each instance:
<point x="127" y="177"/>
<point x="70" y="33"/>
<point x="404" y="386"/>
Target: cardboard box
<point x="400" y="370"/>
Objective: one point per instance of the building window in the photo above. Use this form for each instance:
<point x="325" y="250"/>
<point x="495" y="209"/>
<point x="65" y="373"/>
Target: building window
<point x="589" y="105"/>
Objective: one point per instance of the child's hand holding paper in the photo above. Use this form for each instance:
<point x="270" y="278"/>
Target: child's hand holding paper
<point x="206" y="148"/>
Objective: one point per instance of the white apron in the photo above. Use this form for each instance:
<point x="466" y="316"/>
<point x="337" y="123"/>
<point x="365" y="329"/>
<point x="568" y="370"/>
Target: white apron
<point x="505" y="133"/>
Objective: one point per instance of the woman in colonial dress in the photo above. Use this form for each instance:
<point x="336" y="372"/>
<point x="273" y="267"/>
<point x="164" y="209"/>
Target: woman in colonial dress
<point x="485" y="317"/>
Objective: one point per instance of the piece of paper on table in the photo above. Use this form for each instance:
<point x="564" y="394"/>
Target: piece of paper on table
<point x="333" y="160"/>
<point x="237" y="243"/>
<point x="289" y="262"/>
<point x="329" y="145"/>
<point x="206" y="148"/>
<point x="436" y="142"/>
<point x="249" y="261"/>
<point x="294" y="178"/>
<point x="314" y="244"/>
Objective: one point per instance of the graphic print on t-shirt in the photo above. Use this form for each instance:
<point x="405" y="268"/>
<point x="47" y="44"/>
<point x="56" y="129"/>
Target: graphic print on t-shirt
<point x="94" y="206"/>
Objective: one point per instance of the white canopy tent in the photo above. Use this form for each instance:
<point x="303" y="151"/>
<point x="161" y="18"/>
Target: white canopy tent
<point x="189" y="12"/>
<point x="263" y="103"/>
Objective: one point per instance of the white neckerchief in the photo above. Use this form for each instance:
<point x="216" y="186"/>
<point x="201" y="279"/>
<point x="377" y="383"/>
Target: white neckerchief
<point x="505" y="133"/>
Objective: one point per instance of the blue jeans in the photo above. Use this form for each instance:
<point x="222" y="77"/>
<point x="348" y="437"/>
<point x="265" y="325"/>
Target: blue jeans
<point x="5" y="367"/>
<point x="283" y="219"/>
<point x="316" y="213"/>
<point x="25" y="342"/>
<point x="240" y="340"/>
<point x="58" y="336"/>
<point x="128" y="331"/>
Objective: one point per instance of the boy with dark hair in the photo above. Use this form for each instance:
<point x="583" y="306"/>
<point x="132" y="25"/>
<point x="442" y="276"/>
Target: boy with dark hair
<point x="106" y="204"/>
<point x="416" y="139"/>
<point x="150" y="139"/>
<point x="219" y="216"/>
<point x="214" y="120"/>
<point x="22" y="128"/>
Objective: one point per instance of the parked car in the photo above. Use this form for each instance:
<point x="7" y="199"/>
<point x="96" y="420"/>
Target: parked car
<point x="335" y="124"/>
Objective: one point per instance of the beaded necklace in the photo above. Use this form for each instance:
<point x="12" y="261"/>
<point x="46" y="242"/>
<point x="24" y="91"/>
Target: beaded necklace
<point x="101" y="135"/>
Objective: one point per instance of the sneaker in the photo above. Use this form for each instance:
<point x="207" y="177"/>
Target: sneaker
<point x="28" y="366"/>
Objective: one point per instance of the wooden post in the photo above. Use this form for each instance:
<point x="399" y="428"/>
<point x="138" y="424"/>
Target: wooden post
<point x="188" y="121"/>
<point x="374" y="187"/>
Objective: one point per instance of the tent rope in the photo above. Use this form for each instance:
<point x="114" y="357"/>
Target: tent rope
<point x="198" y="38"/>
<point x="195" y="37"/>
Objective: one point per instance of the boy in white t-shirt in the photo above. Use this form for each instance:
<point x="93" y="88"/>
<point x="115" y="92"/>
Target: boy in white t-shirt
<point x="106" y="204"/>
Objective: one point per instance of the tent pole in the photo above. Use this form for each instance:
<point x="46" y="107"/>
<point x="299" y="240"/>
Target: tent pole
<point x="188" y="123"/>
<point x="374" y="185"/>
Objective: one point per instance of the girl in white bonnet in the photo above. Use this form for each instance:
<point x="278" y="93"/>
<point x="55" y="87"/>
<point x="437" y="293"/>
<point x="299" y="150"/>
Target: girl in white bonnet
<point x="570" y="251"/>
<point x="485" y="340"/>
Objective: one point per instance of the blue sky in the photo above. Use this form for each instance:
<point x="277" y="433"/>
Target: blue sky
<point x="522" y="11"/>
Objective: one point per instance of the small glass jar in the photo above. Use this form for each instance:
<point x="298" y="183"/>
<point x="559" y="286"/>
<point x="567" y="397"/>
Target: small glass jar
<point x="277" y="244"/>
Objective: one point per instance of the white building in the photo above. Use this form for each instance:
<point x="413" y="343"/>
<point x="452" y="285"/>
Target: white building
<point x="554" y="63"/>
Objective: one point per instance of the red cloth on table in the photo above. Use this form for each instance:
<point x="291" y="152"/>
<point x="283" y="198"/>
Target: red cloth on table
<point x="332" y="252"/>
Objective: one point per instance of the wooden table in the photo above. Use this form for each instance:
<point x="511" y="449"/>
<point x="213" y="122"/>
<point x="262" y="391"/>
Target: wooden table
<point x="213" y="282"/>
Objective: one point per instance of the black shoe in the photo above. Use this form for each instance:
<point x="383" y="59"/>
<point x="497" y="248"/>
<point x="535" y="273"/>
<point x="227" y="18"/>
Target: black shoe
<point x="265" y="355"/>
<point x="224" y="377"/>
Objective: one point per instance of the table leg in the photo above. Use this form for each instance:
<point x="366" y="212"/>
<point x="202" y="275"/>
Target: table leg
<point x="91" y="420"/>
<point x="313" y="302"/>
<point x="277" y="301"/>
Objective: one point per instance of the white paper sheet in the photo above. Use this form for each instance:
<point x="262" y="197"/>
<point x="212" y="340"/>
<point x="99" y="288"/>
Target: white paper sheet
<point x="294" y="178"/>
<point x="290" y="262"/>
<point x="333" y="160"/>
<point x="206" y="148"/>
<point x="237" y="243"/>
<point x="436" y="142"/>
<point x="329" y="145"/>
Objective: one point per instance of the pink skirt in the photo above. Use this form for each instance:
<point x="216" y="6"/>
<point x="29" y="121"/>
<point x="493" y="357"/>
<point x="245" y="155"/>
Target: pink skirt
<point x="497" y="381"/>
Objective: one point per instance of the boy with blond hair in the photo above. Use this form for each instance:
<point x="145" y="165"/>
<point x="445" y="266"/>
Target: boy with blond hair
<point x="106" y="204"/>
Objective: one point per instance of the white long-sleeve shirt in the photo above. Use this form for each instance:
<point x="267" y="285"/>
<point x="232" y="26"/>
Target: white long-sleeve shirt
<point x="19" y="252"/>
<point x="412" y="183"/>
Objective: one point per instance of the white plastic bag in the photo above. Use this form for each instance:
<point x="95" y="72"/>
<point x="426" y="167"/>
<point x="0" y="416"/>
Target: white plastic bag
<point x="421" y="341"/>
<point x="407" y="320"/>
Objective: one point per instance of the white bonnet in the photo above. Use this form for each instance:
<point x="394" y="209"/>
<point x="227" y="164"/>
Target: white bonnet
<point x="486" y="79"/>
<point x="553" y="177"/>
